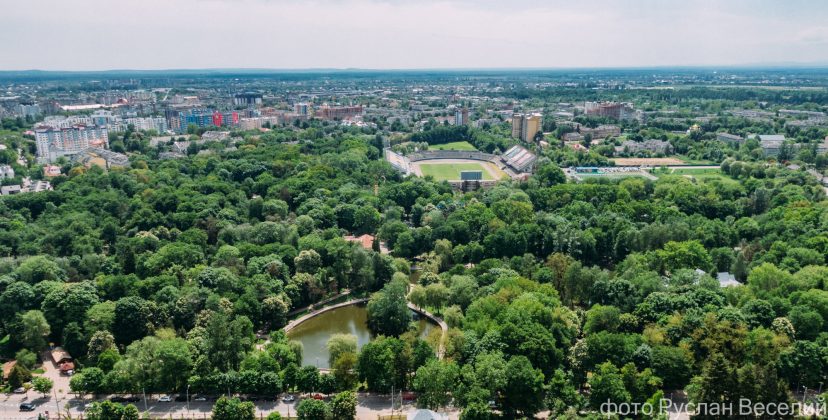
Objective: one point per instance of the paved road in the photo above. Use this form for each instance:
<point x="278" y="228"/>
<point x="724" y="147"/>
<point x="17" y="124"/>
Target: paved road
<point x="369" y="407"/>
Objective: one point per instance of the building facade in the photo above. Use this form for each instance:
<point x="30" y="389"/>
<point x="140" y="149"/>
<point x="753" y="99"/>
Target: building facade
<point x="526" y="126"/>
<point x="249" y="99"/>
<point x="339" y="112"/>
<point x="614" y="110"/>
<point x="53" y="143"/>
<point x="461" y="116"/>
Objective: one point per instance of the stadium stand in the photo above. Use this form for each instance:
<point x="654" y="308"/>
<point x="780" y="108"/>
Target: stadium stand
<point x="450" y="154"/>
<point x="519" y="159"/>
<point x="398" y="161"/>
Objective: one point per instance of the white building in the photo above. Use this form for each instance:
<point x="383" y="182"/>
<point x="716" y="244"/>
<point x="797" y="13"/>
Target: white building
<point x="53" y="143"/>
<point x="159" y="124"/>
<point x="57" y="121"/>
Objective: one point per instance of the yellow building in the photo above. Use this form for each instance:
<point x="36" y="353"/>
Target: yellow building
<point x="526" y="126"/>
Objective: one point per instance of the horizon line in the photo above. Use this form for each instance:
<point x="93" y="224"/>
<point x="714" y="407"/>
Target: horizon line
<point x="756" y="66"/>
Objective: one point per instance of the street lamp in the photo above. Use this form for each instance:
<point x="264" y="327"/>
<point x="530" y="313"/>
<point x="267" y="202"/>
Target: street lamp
<point x="57" y="403"/>
<point x="188" y="398"/>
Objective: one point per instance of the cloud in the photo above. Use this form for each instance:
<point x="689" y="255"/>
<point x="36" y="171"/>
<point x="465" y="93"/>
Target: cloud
<point x="160" y="34"/>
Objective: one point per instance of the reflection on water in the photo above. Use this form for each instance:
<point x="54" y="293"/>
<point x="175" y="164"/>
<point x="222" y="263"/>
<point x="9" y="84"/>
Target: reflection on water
<point x="315" y="332"/>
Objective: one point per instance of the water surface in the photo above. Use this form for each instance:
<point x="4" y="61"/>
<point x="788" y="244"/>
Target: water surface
<point x="352" y="319"/>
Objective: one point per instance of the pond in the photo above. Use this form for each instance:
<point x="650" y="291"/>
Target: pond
<point x="352" y="319"/>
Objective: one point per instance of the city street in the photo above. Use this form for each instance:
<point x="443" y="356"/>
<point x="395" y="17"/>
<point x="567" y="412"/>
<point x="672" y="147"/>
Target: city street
<point x="370" y="406"/>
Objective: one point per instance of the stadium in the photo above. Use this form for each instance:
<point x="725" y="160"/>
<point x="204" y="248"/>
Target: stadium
<point x="465" y="169"/>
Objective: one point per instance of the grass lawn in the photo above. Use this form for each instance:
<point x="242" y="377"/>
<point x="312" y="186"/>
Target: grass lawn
<point x="455" y="145"/>
<point x="700" y="174"/>
<point x="451" y="171"/>
<point x="689" y="161"/>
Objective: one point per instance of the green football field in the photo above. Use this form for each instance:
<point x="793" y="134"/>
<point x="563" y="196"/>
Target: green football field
<point x="455" y="145"/>
<point x="451" y="171"/>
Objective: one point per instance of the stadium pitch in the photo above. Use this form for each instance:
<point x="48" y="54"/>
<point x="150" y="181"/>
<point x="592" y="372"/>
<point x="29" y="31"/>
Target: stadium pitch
<point x="449" y="169"/>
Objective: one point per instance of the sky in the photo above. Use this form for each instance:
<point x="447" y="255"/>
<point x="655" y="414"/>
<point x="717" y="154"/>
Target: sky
<point x="408" y="34"/>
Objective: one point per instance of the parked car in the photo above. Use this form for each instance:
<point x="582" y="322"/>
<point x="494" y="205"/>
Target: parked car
<point x="118" y="399"/>
<point x="288" y="398"/>
<point x="180" y="398"/>
<point x="318" y="396"/>
<point x="165" y="398"/>
<point x="199" y="398"/>
<point x="132" y="399"/>
<point x="27" y="407"/>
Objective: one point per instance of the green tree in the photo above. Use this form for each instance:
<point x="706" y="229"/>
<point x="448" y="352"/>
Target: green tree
<point x="312" y="409"/>
<point x="308" y="379"/>
<point x="344" y="369"/>
<point x="100" y="342"/>
<point x="18" y="376"/>
<point x="39" y="268"/>
<point x="382" y="363"/>
<point x="132" y="319"/>
<point x="434" y="383"/>
<point x="607" y="385"/>
<point x="107" y="410"/>
<point x="477" y="410"/>
<point x="35" y="330"/>
<point x="602" y="318"/>
<point x="42" y="385"/>
<point x="233" y="409"/>
<point x="343" y="406"/>
<point x="340" y="344"/>
<point x="26" y="358"/>
<point x="523" y="394"/>
<point x="388" y="312"/>
<point x="550" y="174"/>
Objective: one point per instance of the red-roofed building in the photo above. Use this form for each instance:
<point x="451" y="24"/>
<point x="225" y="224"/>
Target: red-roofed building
<point x="7" y="368"/>
<point x="366" y="240"/>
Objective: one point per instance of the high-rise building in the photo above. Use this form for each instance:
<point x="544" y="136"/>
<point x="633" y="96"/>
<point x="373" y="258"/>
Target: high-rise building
<point x="103" y="118"/>
<point x="249" y="99"/>
<point x="461" y="116"/>
<point x="303" y="109"/>
<point x="55" y="142"/>
<point x="28" y="110"/>
<point x="526" y="126"/>
<point x="179" y="121"/>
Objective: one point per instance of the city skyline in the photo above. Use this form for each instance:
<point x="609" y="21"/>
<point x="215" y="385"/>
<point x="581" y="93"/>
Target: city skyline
<point x="365" y="34"/>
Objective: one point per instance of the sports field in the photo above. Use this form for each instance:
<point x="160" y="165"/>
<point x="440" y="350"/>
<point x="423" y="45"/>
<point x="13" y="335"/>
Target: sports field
<point x="455" y="145"/>
<point x="450" y="171"/>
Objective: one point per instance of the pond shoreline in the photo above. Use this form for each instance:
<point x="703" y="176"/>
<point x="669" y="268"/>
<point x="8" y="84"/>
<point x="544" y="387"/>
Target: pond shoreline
<point x="420" y="311"/>
<point x="296" y="322"/>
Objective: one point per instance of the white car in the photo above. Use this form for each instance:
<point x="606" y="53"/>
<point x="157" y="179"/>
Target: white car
<point x="288" y="398"/>
<point x="165" y="398"/>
